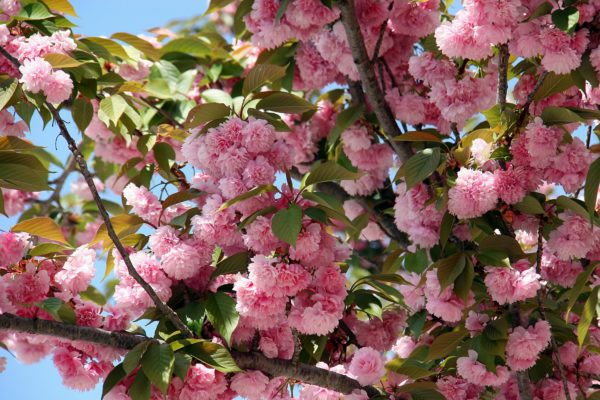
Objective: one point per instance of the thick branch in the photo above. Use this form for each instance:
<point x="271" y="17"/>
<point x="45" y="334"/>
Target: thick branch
<point x="83" y="168"/>
<point x="275" y="367"/>
<point x="369" y="80"/>
<point x="503" y="55"/>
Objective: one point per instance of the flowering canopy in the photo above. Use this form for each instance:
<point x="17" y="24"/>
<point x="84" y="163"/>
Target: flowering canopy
<point x="317" y="198"/>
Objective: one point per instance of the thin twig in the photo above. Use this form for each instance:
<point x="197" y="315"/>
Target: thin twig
<point x="272" y="366"/>
<point x="369" y="79"/>
<point x="527" y="104"/>
<point x="59" y="184"/>
<point x="83" y="168"/>
<point x="382" y="30"/>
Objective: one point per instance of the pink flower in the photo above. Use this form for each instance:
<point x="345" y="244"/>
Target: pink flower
<point x="425" y="67"/>
<point x="181" y="262"/>
<point x="414" y="19"/>
<point x="58" y="87"/>
<point x="477" y="374"/>
<point x="77" y="273"/>
<point x="416" y="217"/>
<point x="35" y="74"/>
<point x="473" y="195"/>
<point x="77" y="370"/>
<point x="163" y="239"/>
<point x="509" y="285"/>
<point x="404" y="346"/>
<point x="264" y="308"/>
<point x="13" y="247"/>
<point x="250" y="384"/>
<point x="366" y="366"/>
<point x="524" y="345"/>
<point x="409" y="107"/>
<point x="27" y="287"/>
<point x="414" y="296"/>
<point x="444" y="304"/>
<point x="560" y="272"/>
<point x="574" y="238"/>
<point x="476" y="323"/>
<point x="277" y="342"/>
<point x="202" y="382"/>
<point x="453" y="388"/>
<point x="511" y="184"/>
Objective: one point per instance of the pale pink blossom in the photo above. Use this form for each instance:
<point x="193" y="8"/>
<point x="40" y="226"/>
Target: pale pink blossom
<point x="366" y="366"/>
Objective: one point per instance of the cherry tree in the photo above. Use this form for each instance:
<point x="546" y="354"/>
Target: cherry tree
<point x="320" y="199"/>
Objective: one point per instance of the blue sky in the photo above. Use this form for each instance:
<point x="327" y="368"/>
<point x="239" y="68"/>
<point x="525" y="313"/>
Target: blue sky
<point x="96" y="17"/>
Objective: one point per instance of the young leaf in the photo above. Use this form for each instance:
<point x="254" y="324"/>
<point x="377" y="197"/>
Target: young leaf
<point x="220" y="309"/>
<point x="203" y="113"/>
<point x="212" y="354"/>
<point x="418" y="136"/>
<point x="58" y="60"/>
<point x="575" y="291"/>
<point x="123" y="225"/>
<point x="287" y="223"/>
<point x="142" y="45"/>
<point x="140" y="388"/>
<point x="283" y="102"/>
<point x="530" y="205"/>
<point x="248" y="195"/>
<point x="260" y="75"/>
<point x="591" y="186"/>
<point x="445" y="344"/>
<point x="8" y="87"/>
<point x="157" y="363"/>
<point x="448" y="269"/>
<point x="330" y="171"/>
<point x="82" y="112"/>
<point x="344" y="119"/>
<point x="113" y="378"/>
<point x="553" y="84"/>
<point x="566" y="19"/>
<point x="43" y="227"/>
<point x="232" y="265"/>
<point x="180" y="197"/>
<point x="587" y="316"/>
<point x="23" y="172"/>
<point x="111" y="108"/>
<point x="421" y="165"/>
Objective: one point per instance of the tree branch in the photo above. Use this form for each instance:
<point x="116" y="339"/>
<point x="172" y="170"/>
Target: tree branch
<point x="275" y="367"/>
<point x="60" y="183"/>
<point x="503" y="56"/>
<point x="369" y="79"/>
<point x="83" y="168"/>
<point x="527" y="104"/>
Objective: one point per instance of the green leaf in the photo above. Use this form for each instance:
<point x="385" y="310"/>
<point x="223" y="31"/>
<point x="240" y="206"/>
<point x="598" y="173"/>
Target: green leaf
<point x="59" y="310"/>
<point x="63" y="6"/>
<point x="111" y="108"/>
<point x="343" y="121"/>
<point x="271" y="118"/>
<point x="503" y="243"/>
<point x="587" y="316"/>
<point x="237" y="263"/>
<point x="570" y="204"/>
<point x="23" y="172"/>
<point x="142" y="45"/>
<point x="93" y="294"/>
<point x="105" y="48"/>
<point x="191" y="46"/>
<point x="217" y="96"/>
<point x="48" y="248"/>
<point x="287" y="223"/>
<point x="421" y="165"/>
<point x="285" y="103"/>
<point x="553" y="84"/>
<point x="203" y="113"/>
<point x="212" y="354"/>
<point x="180" y="197"/>
<point x="34" y="11"/>
<point x="182" y="364"/>
<point x="134" y="356"/>
<point x="8" y="87"/>
<point x="260" y="75"/>
<point x="164" y="155"/>
<point x="462" y="284"/>
<point x="416" y="322"/>
<point x="446" y="228"/>
<point x="116" y="375"/>
<point x="413" y="370"/>
<point x="543" y="9"/>
<point x="157" y="363"/>
<point x="592" y="181"/>
<point x="140" y="388"/>
<point x="43" y="227"/>
<point x="576" y="290"/>
<point x="448" y="269"/>
<point x="560" y="115"/>
<point x="58" y="60"/>
<point x="124" y="225"/>
<point x="566" y="19"/>
<point x="530" y="205"/>
<point x="82" y="112"/>
<point x="220" y="310"/>
<point x="281" y="10"/>
<point x="330" y="171"/>
<point x="248" y="195"/>
<point x="445" y="344"/>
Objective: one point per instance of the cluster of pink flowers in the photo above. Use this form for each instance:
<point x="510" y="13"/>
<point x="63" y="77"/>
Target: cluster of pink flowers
<point x="417" y="218"/>
<point x="574" y="238"/>
<point x="10" y="127"/>
<point x="477" y="374"/>
<point x="509" y="285"/>
<point x="444" y="303"/>
<point x="12" y="248"/>
<point x="37" y="75"/>
<point x="372" y="159"/>
<point x="525" y="344"/>
<point x="379" y="334"/>
<point x="541" y="150"/>
<point x="145" y="204"/>
<point x="301" y="20"/>
<point x="473" y="194"/>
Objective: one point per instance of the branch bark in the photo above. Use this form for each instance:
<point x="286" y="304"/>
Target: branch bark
<point x="527" y="104"/>
<point x="275" y="367"/>
<point x="503" y="56"/>
<point x="83" y="168"/>
<point x="369" y="80"/>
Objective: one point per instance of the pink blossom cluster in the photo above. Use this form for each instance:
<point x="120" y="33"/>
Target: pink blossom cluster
<point x="10" y="127"/>
<point x="146" y="205"/>
<point x="474" y="372"/>
<point x="444" y="303"/>
<point x="477" y="27"/>
<point x="525" y="344"/>
<point x="561" y="51"/>
<point x="372" y="231"/>
<point x="379" y="334"/>
<point x="372" y="159"/>
<point x="417" y="217"/>
<point x="575" y="238"/>
<point x="12" y="248"/>
<point x="301" y="20"/>
<point x="546" y="156"/>
<point x="453" y="388"/>
<point x="509" y="285"/>
<point x="37" y="75"/>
